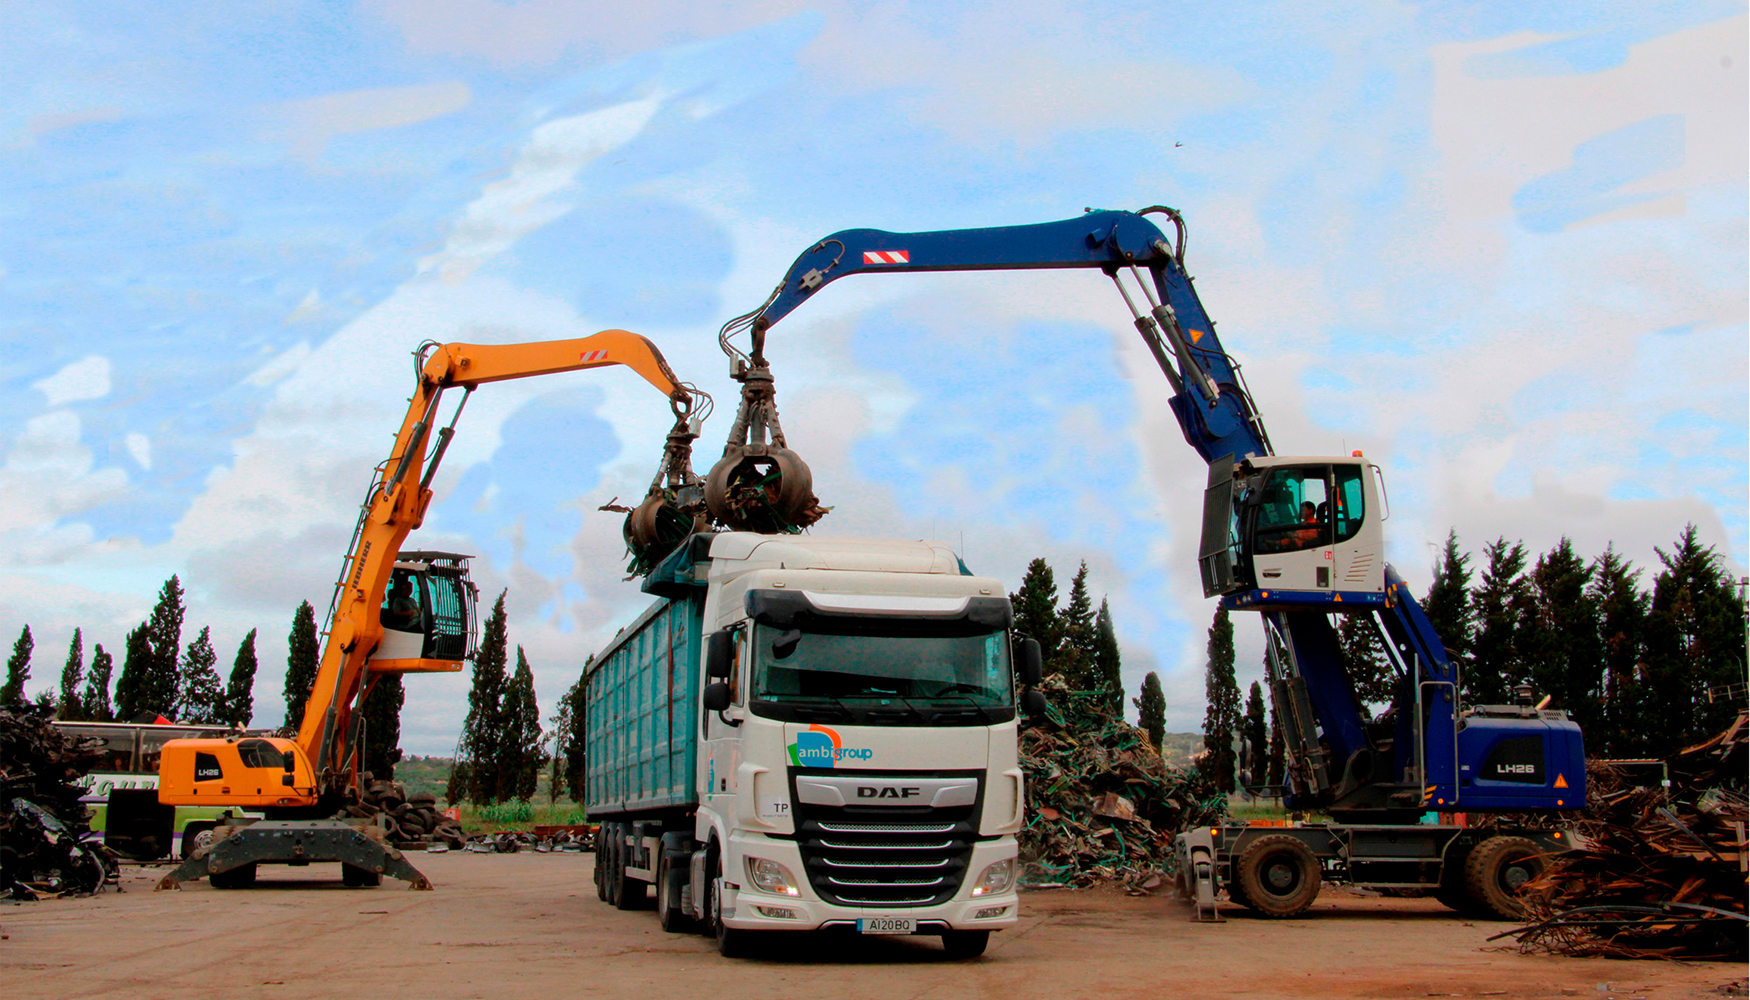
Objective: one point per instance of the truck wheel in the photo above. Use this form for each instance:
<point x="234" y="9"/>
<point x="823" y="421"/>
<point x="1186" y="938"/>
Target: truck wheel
<point x="600" y="850"/>
<point x="355" y="877"/>
<point x="1495" y="870"/>
<point x="668" y="896"/>
<point x="964" y="944"/>
<point x="194" y="837"/>
<point x="612" y="856"/>
<point x="1237" y="895"/>
<point x="731" y="942"/>
<point x="1278" y="876"/>
<point x="240" y="877"/>
<point x="630" y="891"/>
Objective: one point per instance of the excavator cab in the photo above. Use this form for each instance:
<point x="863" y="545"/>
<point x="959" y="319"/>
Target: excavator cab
<point x="1288" y="523"/>
<point x="427" y="615"/>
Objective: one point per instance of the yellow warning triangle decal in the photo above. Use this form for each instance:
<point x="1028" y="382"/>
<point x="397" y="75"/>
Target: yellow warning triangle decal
<point x="1561" y="782"/>
<point x="1196" y="335"/>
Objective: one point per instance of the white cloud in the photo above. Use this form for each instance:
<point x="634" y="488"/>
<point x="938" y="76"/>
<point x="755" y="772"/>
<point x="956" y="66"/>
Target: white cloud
<point x="310" y="124"/>
<point x="139" y="449"/>
<point x="87" y="378"/>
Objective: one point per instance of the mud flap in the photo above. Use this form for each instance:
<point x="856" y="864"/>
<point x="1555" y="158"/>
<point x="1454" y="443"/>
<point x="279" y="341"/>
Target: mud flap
<point x="246" y="842"/>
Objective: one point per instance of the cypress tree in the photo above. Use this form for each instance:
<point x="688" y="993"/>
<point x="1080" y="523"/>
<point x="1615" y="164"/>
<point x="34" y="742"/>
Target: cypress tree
<point x="1151" y="709"/>
<point x="1448" y="604"/>
<point x="1277" y="767"/>
<point x="1221" y="718"/>
<point x="1370" y="672"/>
<point x="1076" y="650"/>
<point x="1257" y="736"/>
<point x="136" y="662"/>
<point x="382" y="736"/>
<point x="1564" y="656"/>
<point x="202" y="700"/>
<point x="71" y="706"/>
<point x="303" y="654"/>
<point x="1503" y="603"/>
<point x="570" y="728"/>
<point x="1695" y="642"/>
<point x="96" y="702"/>
<point x="17" y="669"/>
<point x="482" y="731"/>
<point x="1036" y="614"/>
<point x="240" y="689"/>
<point x="1622" y="615"/>
<point x="161" y="685"/>
<point x="1108" y="664"/>
<point x="521" y="751"/>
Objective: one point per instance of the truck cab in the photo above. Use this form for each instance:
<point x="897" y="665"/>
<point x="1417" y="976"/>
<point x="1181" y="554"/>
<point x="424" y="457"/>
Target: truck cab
<point x="855" y="724"/>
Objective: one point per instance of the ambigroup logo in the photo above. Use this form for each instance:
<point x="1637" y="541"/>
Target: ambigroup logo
<point x="818" y="746"/>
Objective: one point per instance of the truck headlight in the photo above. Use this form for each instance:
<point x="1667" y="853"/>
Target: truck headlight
<point x="996" y="878"/>
<point x="769" y="876"/>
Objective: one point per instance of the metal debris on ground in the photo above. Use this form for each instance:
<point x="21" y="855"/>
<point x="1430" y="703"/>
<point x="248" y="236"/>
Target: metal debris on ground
<point x="1660" y="873"/>
<point x="44" y="848"/>
<point x="410" y="821"/>
<point x="541" y="840"/>
<point x="1102" y="805"/>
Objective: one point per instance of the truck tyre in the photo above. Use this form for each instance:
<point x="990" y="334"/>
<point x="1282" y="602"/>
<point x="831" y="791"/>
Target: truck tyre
<point x="1277" y="875"/>
<point x="1495" y="870"/>
<point x="240" y="877"/>
<point x="629" y="893"/>
<point x="669" y="880"/>
<point x="612" y="855"/>
<point x="731" y="942"/>
<point x="355" y="877"/>
<point x="194" y="837"/>
<point x="965" y="944"/>
<point x="600" y="850"/>
<point x="1237" y="895"/>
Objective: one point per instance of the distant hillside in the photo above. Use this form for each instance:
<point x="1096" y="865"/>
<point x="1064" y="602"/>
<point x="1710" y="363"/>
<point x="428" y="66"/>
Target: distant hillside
<point x="1180" y="747"/>
<point x="424" y="774"/>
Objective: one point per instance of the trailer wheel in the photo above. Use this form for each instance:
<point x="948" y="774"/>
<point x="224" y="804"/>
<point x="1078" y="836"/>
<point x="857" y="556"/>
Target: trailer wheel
<point x="965" y="944"/>
<point x="600" y="850"/>
<point x="1495" y="870"/>
<point x="1277" y="875"/>
<point x="629" y="891"/>
<point x="240" y="877"/>
<point x="613" y="857"/>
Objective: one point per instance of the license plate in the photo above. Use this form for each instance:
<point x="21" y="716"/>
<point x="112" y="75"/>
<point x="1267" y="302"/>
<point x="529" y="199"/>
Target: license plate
<point x="887" y="925"/>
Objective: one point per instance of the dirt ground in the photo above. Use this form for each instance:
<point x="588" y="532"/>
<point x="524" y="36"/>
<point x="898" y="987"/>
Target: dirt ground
<point x="512" y="926"/>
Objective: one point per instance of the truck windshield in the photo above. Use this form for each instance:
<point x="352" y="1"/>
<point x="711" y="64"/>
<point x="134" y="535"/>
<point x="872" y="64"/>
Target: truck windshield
<point x="883" y="673"/>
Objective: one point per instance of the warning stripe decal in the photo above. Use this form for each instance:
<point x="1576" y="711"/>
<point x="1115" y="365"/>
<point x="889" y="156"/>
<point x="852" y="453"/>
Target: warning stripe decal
<point x="589" y="356"/>
<point x="886" y="256"/>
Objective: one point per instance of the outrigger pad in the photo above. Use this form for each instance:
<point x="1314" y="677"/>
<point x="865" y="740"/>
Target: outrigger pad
<point x="247" y="842"/>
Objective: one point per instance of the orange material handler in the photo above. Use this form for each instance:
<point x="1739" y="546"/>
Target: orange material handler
<point x="298" y="786"/>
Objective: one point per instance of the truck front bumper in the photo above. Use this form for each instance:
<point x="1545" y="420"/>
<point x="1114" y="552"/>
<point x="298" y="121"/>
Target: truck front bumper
<point x="749" y="908"/>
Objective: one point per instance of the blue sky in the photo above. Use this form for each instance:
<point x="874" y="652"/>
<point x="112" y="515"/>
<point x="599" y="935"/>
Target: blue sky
<point x="1498" y="246"/>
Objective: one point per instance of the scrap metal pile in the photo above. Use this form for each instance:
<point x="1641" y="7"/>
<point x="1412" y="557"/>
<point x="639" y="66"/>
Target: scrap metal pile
<point x="1661" y="873"/>
<point x="411" y="821"/>
<point x="541" y="840"/>
<point x="1102" y="804"/>
<point x="42" y="822"/>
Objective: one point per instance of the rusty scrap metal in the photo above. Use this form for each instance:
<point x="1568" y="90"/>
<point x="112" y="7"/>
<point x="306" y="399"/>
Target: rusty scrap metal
<point x="45" y="845"/>
<point x="1659" y="873"/>
<point x="1103" y="806"/>
<point x="760" y="484"/>
<point x="408" y="821"/>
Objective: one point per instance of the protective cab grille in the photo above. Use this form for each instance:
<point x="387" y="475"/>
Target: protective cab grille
<point x="868" y="855"/>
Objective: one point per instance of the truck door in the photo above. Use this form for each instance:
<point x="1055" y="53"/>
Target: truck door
<point x="1216" y="555"/>
<point x="1289" y="529"/>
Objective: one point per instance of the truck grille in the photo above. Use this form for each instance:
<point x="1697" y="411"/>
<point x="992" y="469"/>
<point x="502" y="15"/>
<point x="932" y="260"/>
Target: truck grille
<point x="893" y="856"/>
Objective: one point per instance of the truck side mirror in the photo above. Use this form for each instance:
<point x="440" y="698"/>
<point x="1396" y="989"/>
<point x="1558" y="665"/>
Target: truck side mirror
<point x="716" y="696"/>
<point x="1033" y="702"/>
<point x="719" y="656"/>
<point x="1031" y="668"/>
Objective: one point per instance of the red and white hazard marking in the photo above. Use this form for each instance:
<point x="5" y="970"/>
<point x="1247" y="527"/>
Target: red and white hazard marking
<point x="589" y="356"/>
<point x="886" y="257"/>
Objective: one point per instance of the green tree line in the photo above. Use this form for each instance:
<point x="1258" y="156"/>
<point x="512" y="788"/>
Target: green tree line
<point x="502" y="748"/>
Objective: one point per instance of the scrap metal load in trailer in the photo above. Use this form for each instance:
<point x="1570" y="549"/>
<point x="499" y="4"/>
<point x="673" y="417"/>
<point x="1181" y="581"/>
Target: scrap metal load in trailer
<point x="1297" y="539"/>
<point x="392" y="612"/>
<point x="810" y="733"/>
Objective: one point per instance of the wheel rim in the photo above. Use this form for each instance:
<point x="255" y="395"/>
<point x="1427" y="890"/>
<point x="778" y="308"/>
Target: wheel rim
<point x="1281" y="877"/>
<point x="1515" y="874"/>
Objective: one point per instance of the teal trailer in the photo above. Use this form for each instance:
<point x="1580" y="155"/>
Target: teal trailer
<point x="641" y="698"/>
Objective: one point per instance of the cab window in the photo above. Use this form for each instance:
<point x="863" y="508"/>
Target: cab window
<point x="1351" y="506"/>
<point x="260" y="753"/>
<point x="402" y="606"/>
<point x="1294" y="510"/>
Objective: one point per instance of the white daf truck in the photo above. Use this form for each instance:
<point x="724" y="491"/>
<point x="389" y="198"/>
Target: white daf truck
<point x="808" y="734"/>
